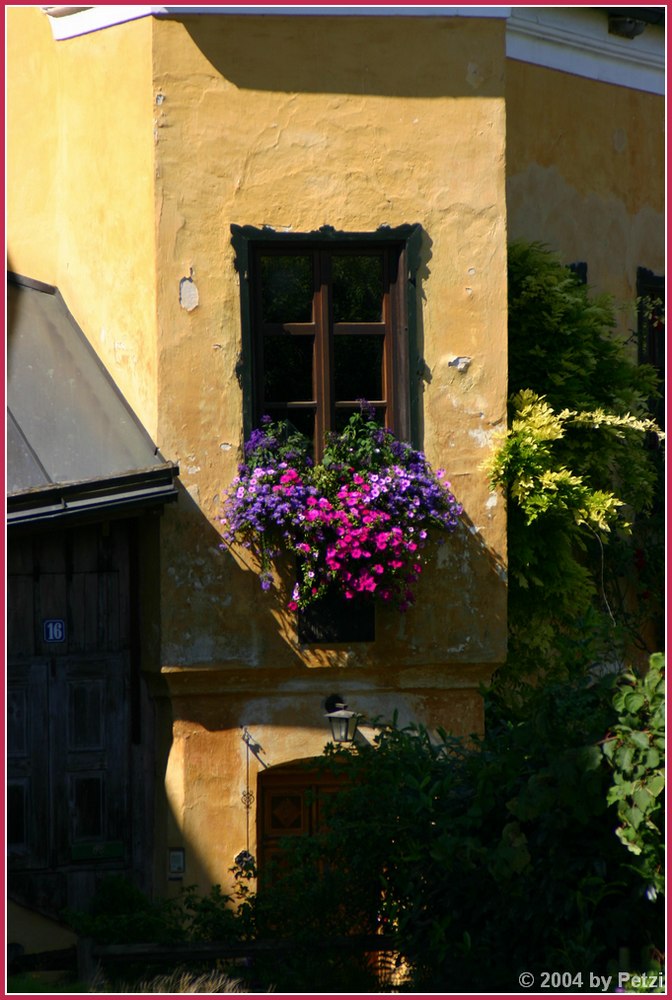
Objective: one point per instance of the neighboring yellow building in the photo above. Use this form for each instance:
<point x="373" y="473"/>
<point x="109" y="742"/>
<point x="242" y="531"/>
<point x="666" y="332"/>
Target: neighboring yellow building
<point x="154" y="156"/>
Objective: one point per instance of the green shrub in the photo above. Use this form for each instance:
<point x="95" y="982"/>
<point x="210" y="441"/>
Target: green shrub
<point x="583" y="485"/>
<point x="480" y="861"/>
<point x="120" y="913"/>
<point x="635" y="749"/>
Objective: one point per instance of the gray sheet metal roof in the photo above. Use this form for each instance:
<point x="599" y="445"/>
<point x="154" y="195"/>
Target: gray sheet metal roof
<point x="73" y="443"/>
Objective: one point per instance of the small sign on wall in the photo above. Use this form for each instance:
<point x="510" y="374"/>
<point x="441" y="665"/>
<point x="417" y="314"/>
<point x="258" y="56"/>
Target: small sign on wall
<point x="176" y="863"/>
<point x="53" y="629"/>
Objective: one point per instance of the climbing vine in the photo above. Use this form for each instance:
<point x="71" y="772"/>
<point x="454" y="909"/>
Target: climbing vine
<point x="578" y="471"/>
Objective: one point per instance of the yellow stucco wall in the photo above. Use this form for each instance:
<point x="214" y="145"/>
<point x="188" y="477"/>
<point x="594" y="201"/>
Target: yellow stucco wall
<point x="32" y="143"/>
<point x="282" y="142"/>
<point x="144" y="143"/>
<point x="586" y="173"/>
<point x="80" y="186"/>
<point x="164" y="132"/>
<point x="299" y="123"/>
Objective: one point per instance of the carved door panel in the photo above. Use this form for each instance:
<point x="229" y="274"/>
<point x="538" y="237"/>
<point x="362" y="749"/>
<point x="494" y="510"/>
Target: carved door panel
<point x="291" y="800"/>
<point x="91" y="745"/>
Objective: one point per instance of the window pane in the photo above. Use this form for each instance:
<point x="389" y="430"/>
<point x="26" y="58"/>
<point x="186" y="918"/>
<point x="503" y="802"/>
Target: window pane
<point x="288" y="369"/>
<point x="302" y="420"/>
<point x="286" y="288"/>
<point x="358" y="366"/>
<point x="357" y="288"/>
<point x="334" y="618"/>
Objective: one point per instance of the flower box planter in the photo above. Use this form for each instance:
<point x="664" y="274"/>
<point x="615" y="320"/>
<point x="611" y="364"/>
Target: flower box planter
<point x="357" y="522"/>
<point x="333" y="618"/>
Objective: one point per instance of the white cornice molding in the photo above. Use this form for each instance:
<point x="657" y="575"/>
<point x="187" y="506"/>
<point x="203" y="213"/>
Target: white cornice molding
<point x="69" y="22"/>
<point x="347" y="10"/>
<point x="61" y="11"/>
<point x="576" y="40"/>
<point x="570" y="39"/>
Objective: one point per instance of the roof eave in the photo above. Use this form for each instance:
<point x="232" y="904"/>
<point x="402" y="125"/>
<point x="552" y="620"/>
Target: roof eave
<point x="100" y="498"/>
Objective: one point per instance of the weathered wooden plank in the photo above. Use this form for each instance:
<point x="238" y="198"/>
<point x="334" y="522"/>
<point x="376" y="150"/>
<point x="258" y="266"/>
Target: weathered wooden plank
<point x="243" y="949"/>
<point x="20" y="615"/>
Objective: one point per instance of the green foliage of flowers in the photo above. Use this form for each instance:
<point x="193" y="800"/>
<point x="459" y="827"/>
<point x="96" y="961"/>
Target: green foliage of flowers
<point x="635" y="750"/>
<point x="359" y="520"/>
<point x="582" y="484"/>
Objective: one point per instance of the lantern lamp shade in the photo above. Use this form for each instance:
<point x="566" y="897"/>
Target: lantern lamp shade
<point x="343" y="722"/>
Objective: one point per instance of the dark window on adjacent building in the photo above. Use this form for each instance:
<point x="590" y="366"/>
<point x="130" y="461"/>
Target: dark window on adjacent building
<point x="327" y="322"/>
<point x="580" y="269"/>
<point x="651" y="331"/>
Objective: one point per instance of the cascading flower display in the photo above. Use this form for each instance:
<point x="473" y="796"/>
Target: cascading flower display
<point x="360" y="519"/>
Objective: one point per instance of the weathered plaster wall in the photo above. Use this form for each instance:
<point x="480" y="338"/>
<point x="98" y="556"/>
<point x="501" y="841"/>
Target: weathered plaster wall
<point x="80" y="186"/>
<point x="297" y="123"/>
<point x="586" y="173"/>
<point x="154" y="137"/>
<point x="300" y="123"/>
<point x="32" y="145"/>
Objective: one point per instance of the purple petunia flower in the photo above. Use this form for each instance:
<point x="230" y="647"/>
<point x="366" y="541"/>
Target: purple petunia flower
<point x="373" y="504"/>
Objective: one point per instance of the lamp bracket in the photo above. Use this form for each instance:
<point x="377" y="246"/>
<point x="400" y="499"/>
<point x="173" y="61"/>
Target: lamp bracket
<point x="253" y="745"/>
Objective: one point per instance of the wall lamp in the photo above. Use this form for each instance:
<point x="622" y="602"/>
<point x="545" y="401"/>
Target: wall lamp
<point x="625" y="25"/>
<point x="343" y="723"/>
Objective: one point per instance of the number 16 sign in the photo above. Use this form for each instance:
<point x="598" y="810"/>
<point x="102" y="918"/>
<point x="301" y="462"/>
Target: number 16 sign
<point x="53" y="630"/>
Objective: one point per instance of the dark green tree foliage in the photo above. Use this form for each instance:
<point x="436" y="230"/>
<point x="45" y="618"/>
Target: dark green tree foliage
<point x="481" y="861"/>
<point x="561" y="339"/>
<point x="577" y="473"/>
<point x="537" y="848"/>
<point x="121" y="914"/>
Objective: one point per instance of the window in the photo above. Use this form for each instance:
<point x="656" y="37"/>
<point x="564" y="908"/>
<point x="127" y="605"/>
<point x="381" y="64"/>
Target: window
<point x="579" y="268"/>
<point x="651" y="331"/>
<point x="327" y="321"/>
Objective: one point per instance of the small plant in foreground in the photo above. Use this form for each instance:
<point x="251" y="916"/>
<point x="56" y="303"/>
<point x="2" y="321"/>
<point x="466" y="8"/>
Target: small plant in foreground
<point x="179" y="981"/>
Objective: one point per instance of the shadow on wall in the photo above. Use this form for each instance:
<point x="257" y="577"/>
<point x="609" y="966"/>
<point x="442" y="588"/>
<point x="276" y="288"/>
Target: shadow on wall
<point x="215" y="613"/>
<point x="383" y="56"/>
<point x="236" y="661"/>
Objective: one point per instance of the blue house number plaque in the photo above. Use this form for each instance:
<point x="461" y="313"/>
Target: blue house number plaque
<point x="54" y="630"/>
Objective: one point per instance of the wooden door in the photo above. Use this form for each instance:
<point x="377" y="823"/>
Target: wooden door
<point x="291" y="803"/>
<point x="28" y="814"/>
<point x="71" y="814"/>
<point x="68" y="747"/>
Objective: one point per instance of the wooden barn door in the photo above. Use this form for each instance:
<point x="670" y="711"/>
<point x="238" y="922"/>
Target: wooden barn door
<point x="69" y="714"/>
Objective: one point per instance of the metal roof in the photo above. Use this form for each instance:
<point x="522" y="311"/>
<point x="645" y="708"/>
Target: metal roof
<point x="74" y="446"/>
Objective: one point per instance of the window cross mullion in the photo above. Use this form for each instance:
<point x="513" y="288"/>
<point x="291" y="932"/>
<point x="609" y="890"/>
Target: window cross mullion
<point x="323" y="390"/>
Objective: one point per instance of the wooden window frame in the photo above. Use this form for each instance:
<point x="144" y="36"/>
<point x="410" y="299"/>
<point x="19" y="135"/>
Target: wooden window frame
<point x="400" y="248"/>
